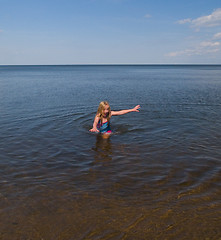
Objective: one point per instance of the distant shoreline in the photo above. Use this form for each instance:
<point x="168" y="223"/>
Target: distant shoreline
<point x="128" y="64"/>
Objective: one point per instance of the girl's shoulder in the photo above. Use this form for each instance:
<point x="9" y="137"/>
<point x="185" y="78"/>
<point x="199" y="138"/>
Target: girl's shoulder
<point x="98" y="116"/>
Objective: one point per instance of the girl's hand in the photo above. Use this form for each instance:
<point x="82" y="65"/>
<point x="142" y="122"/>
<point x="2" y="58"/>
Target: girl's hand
<point x="137" y="108"/>
<point x="94" y="130"/>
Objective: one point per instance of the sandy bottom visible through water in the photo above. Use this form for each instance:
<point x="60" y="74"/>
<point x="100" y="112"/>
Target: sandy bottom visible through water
<point x="58" y="214"/>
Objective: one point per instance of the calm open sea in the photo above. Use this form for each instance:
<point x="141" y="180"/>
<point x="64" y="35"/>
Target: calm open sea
<point x="157" y="177"/>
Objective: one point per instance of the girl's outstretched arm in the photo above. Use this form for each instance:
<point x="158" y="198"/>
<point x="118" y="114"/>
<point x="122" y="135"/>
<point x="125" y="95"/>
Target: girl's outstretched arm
<point x="96" y="120"/>
<point x="121" y="112"/>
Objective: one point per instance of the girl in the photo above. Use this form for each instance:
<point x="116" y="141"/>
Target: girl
<point x="102" y="119"/>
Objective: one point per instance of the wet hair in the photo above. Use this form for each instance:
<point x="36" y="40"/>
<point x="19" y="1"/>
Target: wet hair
<point x="100" y="109"/>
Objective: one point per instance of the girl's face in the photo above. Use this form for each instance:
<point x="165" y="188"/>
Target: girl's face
<point x="106" y="110"/>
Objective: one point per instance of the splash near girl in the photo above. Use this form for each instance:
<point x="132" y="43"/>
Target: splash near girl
<point x="102" y="118"/>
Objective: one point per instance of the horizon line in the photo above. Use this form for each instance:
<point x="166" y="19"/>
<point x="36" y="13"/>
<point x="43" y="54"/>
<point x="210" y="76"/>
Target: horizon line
<point x="118" y="64"/>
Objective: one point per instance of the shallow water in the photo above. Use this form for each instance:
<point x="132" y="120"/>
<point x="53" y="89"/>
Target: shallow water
<point x="157" y="177"/>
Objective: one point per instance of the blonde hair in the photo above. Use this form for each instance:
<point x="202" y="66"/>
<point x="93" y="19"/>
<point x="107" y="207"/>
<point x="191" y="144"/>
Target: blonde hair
<point x="100" y="109"/>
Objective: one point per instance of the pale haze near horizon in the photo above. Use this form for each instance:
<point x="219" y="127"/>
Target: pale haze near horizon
<point x="110" y="32"/>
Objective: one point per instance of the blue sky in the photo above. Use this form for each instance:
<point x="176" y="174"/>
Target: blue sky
<point x="110" y="32"/>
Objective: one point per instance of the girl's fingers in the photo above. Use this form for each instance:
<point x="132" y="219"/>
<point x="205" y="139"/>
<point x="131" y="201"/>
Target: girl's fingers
<point x="137" y="107"/>
<point x="92" y="130"/>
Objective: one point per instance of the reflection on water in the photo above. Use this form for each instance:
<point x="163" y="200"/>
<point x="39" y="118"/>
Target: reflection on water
<point x="157" y="177"/>
<point x="103" y="149"/>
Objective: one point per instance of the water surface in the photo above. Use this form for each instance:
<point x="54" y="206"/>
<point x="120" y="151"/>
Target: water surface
<point x="157" y="177"/>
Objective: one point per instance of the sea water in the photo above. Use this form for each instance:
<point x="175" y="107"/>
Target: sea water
<point x="157" y="177"/>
